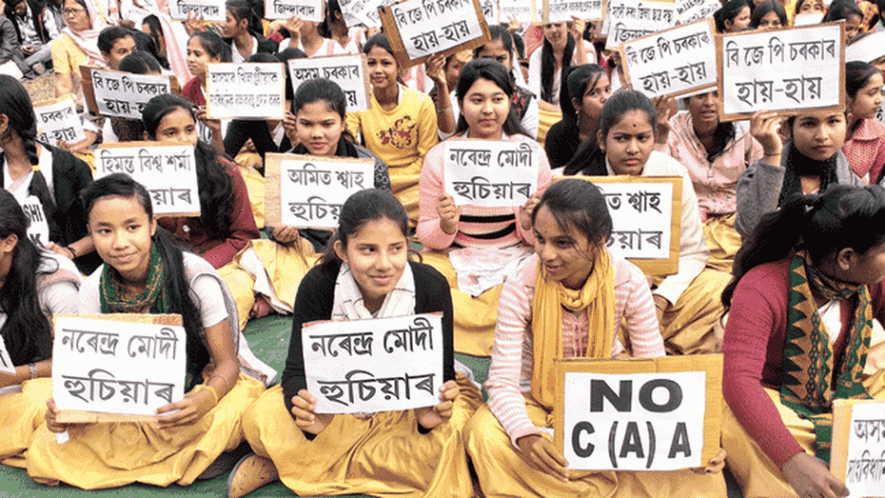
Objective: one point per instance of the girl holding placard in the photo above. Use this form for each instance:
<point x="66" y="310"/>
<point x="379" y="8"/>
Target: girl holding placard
<point x="34" y="285"/>
<point x="503" y="234"/>
<point x="687" y="302"/>
<point x="806" y="293"/>
<point x="44" y="176"/>
<point x="568" y="300"/>
<point x="365" y="274"/>
<point x="146" y="272"/>
<point x="226" y="222"/>
<point x="400" y="127"/>
<point x="865" y="146"/>
<point x="584" y="89"/>
<point x="203" y="48"/>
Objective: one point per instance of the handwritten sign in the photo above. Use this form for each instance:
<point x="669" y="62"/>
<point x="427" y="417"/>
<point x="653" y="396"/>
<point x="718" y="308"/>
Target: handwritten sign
<point x="418" y="29"/>
<point x="117" y="366"/>
<point x="563" y="10"/>
<point x="786" y="70"/>
<point x="38" y="229"/>
<point x="644" y="414"/>
<point x="210" y="10"/>
<point x="58" y="121"/>
<point x="631" y="19"/>
<point x="246" y="91"/>
<point x="348" y="71"/>
<point x="489" y="9"/>
<point x="523" y="11"/>
<point x="374" y="365"/>
<point x="5" y="361"/>
<point x="308" y="191"/>
<point x="673" y="62"/>
<point x="167" y="171"/>
<point x="858" y="452"/>
<point x="689" y="11"/>
<point x="490" y="173"/>
<point x="307" y="10"/>
<point x="122" y="95"/>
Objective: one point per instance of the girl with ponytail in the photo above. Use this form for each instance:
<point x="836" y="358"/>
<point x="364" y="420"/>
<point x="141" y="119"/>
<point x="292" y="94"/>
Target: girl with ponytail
<point x="807" y="287"/>
<point x="41" y="175"/>
<point x="35" y="284"/>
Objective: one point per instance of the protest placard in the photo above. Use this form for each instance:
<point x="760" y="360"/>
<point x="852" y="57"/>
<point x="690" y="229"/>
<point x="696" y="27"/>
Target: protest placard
<point x="374" y="365"/>
<point x="673" y="62"/>
<point x="858" y="446"/>
<point x="418" y="29"/>
<point x="639" y="414"/>
<point x="646" y="216"/>
<point x="348" y="71"/>
<point x="556" y="11"/>
<point x="308" y="191"/>
<point x="167" y="171"/>
<point x="630" y="19"/>
<point x="38" y="229"/>
<point x="689" y="11"/>
<point x="246" y="91"/>
<point x="306" y="10"/>
<point x="117" y="364"/>
<point x="490" y="173"/>
<point x="489" y="9"/>
<point x="523" y="11"/>
<point x="5" y="361"/>
<point x="785" y="70"/>
<point x="208" y="10"/>
<point x="58" y="121"/>
<point x="122" y="95"/>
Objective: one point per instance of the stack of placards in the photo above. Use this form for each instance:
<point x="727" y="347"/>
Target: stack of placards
<point x="122" y="95"/>
<point x="418" y="29"/>
<point x="306" y="10"/>
<point x="58" y="121"/>
<point x="785" y="70"/>
<point x="627" y="20"/>
<point x="348" y="71"/>
<point x="167" y="171"/>
<point x="246" y="91"/>
<point x="308" y="191"/>
<point x="117" y="364"/>
<point x="490" y="173"/>
<point x="367" y="366"/>
<point x="207" y="10"/>
<point x="673" y="62"/>
<point x="639" y="414"/>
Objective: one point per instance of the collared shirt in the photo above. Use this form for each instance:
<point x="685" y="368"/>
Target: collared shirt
<point x="27" y="30"/>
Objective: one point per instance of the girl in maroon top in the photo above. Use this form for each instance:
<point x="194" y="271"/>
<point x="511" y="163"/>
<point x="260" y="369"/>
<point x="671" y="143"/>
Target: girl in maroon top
<point x="807" y="286"/>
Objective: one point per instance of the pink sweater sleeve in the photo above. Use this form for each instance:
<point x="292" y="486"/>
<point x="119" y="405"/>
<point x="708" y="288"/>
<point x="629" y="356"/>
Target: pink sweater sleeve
<point x="430" y="188"/>
<point x="639" y="312"/>
<point x="758" y="307"/>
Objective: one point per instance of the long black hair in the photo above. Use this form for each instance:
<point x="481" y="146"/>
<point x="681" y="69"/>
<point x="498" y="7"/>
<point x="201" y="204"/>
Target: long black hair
<point x="495" y="72"/>
<point x="548" y="65"/>
<point x="213" y="45"/>
<point x="728" y="12"/>
<point x="575" y="82"/>
<point x="140" y="62"/>
<point x="323" y="89"/>
<point x="15" y="104"/>
<point x="176" y="285"/>
<point x="577" y="204"/>
<point x="723" y="135"/>
<point x="27" y="332"/>
<point x="857" y="75"/>
<point x="215" y="184"/>
<point x="843" y="216"/>
<point x="766" y="7"/>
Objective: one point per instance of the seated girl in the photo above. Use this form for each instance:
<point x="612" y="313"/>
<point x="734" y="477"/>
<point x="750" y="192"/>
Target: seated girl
<point x="365" y="274"/>
<point x="226" y="222"/>
<point x="584" y="91"/>
<point x="687" y="302"/>
<point x="484" y="94"/>
<point x="807" y="287"/>
<point x="566" y="301"/>
<point x="35" y="284"/>
<point x="146" y="272"/>
<point x="865" y="143"/>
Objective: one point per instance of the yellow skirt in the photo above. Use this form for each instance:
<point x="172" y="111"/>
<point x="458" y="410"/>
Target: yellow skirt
<point x="113" y="454"/>
<point x="689" y="326"/>
<point x="475" y="317"/>
<point x="503" y="472"/>
<point x="755" y="473"/>
<point x="546" y="119"/>
<point x="404" y="185"/>
<point x="22" y="413"/>
<point x="723" y="241"/>
<point x="383" y="455"/>
<point x="248" y="161"/>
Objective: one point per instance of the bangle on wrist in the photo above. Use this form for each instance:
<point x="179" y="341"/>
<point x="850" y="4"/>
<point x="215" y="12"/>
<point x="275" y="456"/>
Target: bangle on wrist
<point x="32" y="370"/>
<point x="226" y="383"/>
<point x="72" y="251"/>
<point x="440" y="111"/>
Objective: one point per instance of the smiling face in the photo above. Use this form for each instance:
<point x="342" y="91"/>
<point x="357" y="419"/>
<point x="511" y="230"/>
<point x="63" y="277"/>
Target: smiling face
<point x="485" y="108"/>
<point x="556" y="33"/>
<point x="319" y="128"/>
<point x="382" y="68"/>
<point x="867" y="100"/>
<point x="820" y="134"/>
<point x="121" y="230"/>
<point x="377" y="254"/>
<point x="629" y="143"/>
<point x="566" y="255"/>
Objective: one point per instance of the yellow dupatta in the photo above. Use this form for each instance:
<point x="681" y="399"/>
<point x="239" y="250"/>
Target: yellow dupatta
<point x="597" y="296"/>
